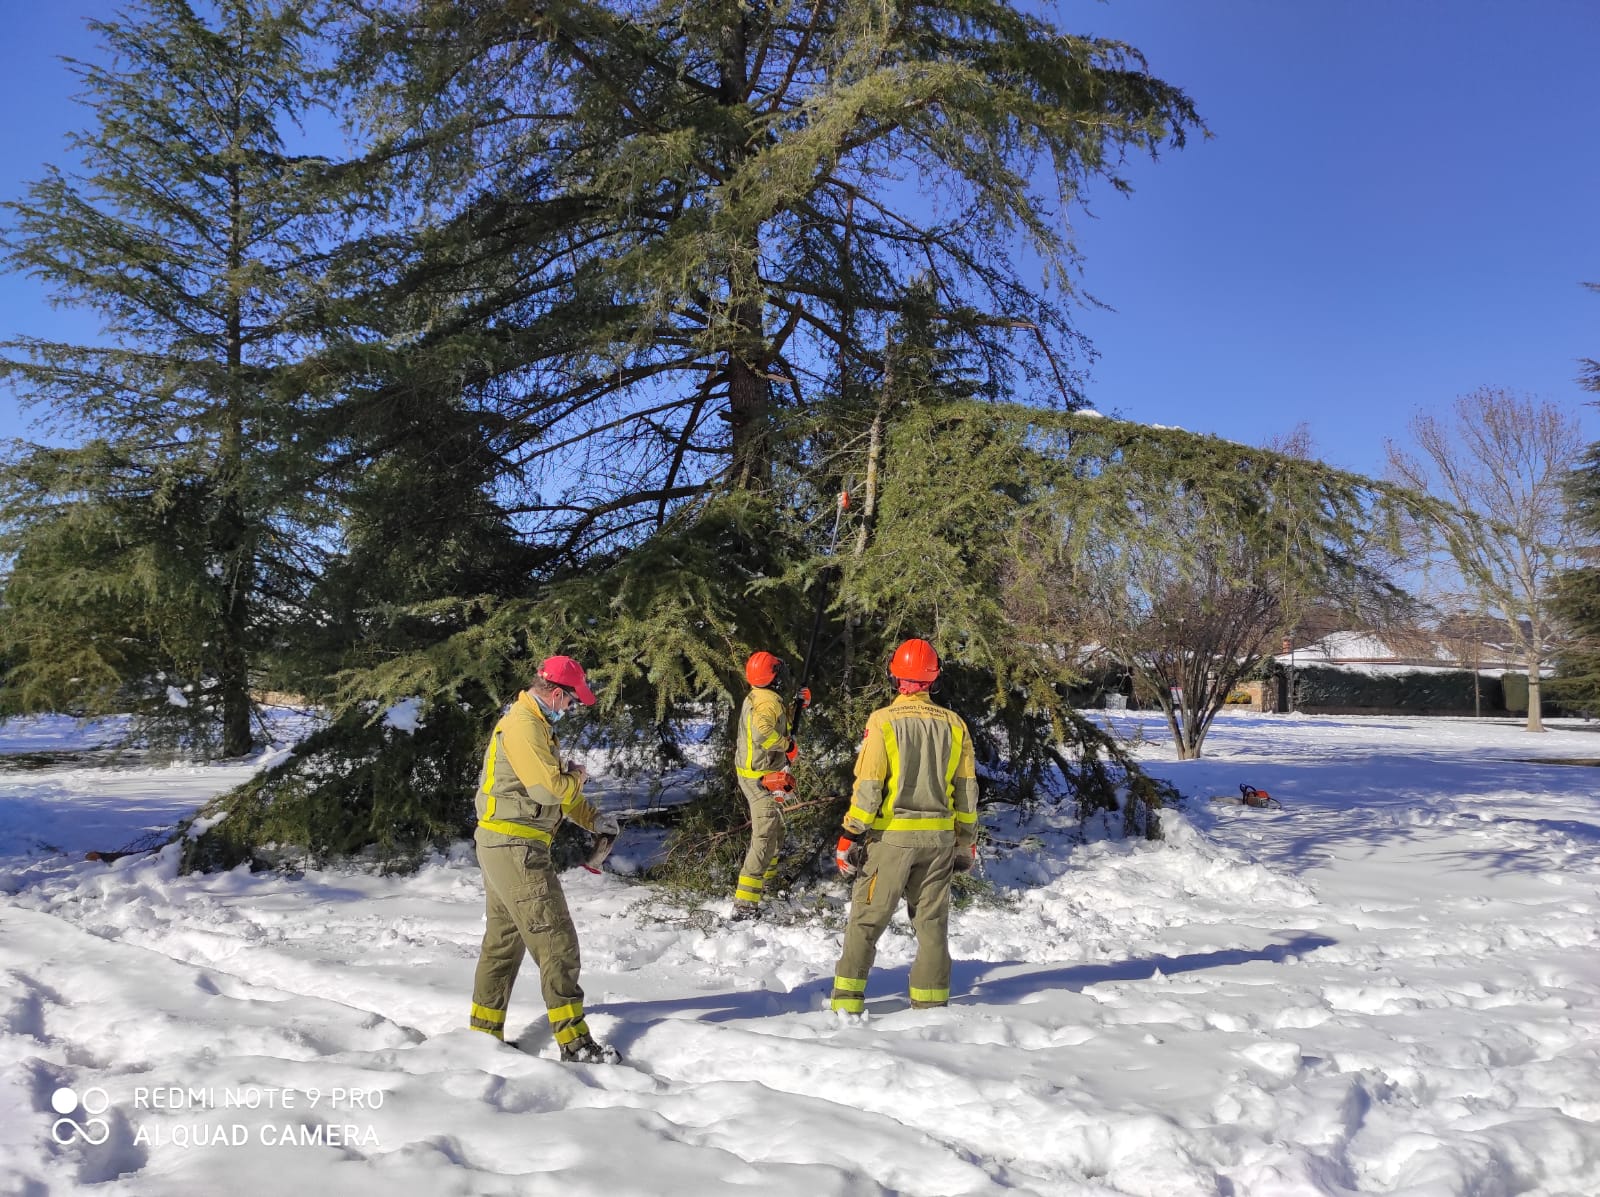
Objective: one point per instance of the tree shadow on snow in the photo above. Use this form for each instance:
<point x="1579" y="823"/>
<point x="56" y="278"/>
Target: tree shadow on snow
<point x="970" y="982"/>
<point x="970" y="985"/>
<point x="725" y="1007"/>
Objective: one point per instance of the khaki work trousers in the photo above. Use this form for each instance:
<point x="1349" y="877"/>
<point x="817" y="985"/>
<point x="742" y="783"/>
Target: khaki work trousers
<point x="766" y="838"/>
<point x="920" y="873"/>
<point x="526" y="912"/>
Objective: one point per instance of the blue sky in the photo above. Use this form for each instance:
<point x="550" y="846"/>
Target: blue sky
<point x="1399" y="204"/>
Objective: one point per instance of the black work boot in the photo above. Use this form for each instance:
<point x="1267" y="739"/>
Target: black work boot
<point x="743" y="912"/>
<point x="584" y="1050"/>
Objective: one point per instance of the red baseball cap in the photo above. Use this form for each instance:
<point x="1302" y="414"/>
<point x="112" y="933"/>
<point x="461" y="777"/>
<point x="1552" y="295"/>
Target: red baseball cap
<point x="564" y="671"/>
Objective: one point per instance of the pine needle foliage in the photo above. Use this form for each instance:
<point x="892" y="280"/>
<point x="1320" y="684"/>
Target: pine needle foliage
<point x="357" y="788"/>
<point x="154" y="561"/>
<point x="1577" y="599"/>
<point x="660" y="248"/>
<point x="664" y="628"/>
<point x="1037" y="535"/>
<point x="673" y="221"/>
<point x="418" y="525"/>
<point x="1577" y="602"/>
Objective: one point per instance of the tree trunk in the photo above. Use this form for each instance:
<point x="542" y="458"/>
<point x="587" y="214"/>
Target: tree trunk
<point x="1194" y="734"/>
<point x="869" y="493"/>
<point x="1174" y="715"/>
<point x="1477" y="684"/>
<point x="748" y="388"/>
<point x="1535" y="703"/>
<point x="747" y="417"/>
<point x="235" y="680"/>
<point x="231" y="542"/>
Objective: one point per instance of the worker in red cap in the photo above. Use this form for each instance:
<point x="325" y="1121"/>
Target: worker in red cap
<point x="524" y="792"/>
<point x="761" y="760"/>
<point x="912" y="824"/>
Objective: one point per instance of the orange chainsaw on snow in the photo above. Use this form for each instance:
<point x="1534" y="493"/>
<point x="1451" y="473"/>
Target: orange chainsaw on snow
<point x="1249" y="796"/>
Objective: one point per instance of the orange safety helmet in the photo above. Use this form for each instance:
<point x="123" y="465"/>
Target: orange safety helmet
<point x="762" y="669"/>
<point x="915" y="661"/>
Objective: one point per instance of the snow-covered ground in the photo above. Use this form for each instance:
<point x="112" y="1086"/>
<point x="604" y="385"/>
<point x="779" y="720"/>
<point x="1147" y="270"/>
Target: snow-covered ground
<point x="1391" y="986"/>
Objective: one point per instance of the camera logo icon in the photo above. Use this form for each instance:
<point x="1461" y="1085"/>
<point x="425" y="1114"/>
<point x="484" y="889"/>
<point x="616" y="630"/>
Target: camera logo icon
<point x="93" y="1130"/>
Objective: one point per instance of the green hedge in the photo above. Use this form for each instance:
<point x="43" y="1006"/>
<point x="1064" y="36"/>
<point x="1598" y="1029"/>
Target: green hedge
<point x="1318" y="686"/>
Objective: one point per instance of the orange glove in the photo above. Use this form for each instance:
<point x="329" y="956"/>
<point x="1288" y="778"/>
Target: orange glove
<point x="849" y="854"/>
<point x="781" y="784"/>
<point x="965" y="861"/>
<point x="792" y="752"/>
<point x="805" y="698"/>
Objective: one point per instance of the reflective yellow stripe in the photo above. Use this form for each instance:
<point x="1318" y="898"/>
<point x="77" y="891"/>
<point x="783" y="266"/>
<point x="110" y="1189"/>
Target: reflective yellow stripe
<point x="745" y="895"/>
<point x="933" y="823"/>
<point x="964" y="816"/>
<point x="891" y="749"/>
<point x="862" y="816"/>
<point x="771" y="740"/>
<point x="488" y="1013"/>
<point x="849" y="1005"/>
<point x="521" y="830"/>
<point x="955" y="757"/>
<point x="929" y="995"/>
<point x="562" y="1013"/>
<point x="488" y="778"/>
<point x="568" y="1034"/>
<point x="494" y="1031"/>
<point x="850" y="984"/>
<point x="748" y="882"/>
<point x="748" y="769"/>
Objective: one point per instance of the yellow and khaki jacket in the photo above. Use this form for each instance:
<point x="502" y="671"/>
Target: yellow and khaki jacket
<point x="915" y="781"/>
<point x="522" y="793"/>
<point x="763" y="734"/>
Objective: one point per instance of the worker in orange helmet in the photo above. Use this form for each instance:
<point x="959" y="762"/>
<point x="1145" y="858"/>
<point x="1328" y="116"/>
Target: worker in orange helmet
<point x="762" y="754"/>
<point x="912" y="824"/>
<point x="524" y="793"/>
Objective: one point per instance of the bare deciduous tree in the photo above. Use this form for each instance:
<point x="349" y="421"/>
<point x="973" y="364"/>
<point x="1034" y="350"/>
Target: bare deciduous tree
<point x="1190" y="625"/>
<point x="1499" y="461"/>
<point x="1188" y="567"/>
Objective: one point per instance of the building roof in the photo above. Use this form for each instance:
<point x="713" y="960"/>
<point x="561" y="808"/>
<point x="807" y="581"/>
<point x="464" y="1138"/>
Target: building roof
<point x="1373" y="652"/>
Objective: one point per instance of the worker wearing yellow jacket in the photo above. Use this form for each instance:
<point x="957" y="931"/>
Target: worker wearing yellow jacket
<point x="762" y="754"/>
<point x="524" y="792"/>
<point x="912" y="823"/>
